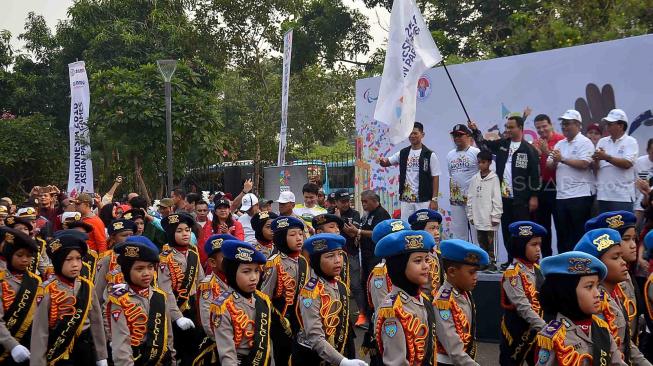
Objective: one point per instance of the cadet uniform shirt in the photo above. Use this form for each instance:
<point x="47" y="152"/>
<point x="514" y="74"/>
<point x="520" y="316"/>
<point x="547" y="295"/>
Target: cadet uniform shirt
<point x="164" y="278"/>
<point x="620" y="321"/>
<point x="516" y="292"/>
<point x="266" y="249"/>
<point x="121" y="337"/>
<point x="106" y="264"/>
<point x="208" y="291"/>
<point x="448" y="339"/>
<point x="41" y="330"/>
<point x="313" y="333"/>
<point x="431" y="287"/>
<point x="392" y="333"/>
<point x="578" y="341"/>
<point x="14" y="282"/>
<point x="629" y="299"/>
<point x="270" y="283"/>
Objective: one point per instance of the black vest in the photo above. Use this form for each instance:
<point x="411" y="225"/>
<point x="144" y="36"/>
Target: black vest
<point x="425" y="192"/>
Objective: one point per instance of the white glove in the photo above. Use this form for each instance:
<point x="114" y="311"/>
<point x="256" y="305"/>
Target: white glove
<point x="348" y="362"/>
<point x="101" y="363"/>
<point x="20" y="354"/>
<point x="185" y="323"/>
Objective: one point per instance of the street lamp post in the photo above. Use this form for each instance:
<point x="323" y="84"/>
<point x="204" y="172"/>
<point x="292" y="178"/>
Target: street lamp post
<point x="167" y="69"/>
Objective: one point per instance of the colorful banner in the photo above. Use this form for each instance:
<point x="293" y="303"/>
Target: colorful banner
<point x="80" y="171"/>
<point x="285" y="85"/>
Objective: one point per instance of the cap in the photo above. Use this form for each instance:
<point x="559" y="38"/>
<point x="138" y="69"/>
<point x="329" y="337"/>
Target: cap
<point x="71" y="216"/>
<point x="325" y="219"/>
<point x="174" y="220"/>
<point x="526" y="229"/>
<point x="266" y="201"/>
<point x="461" y="251"/>
<point x="598" y="241"/>
<point x="286" y="197"/>
<point x="27" y="213"/>
<point x="166" y="202"/>
<point x="12" y="221"/>
<point x="142" y="240"/>
<point x="4" y="212"/>
<point x="388" y="226"/>
<point x="222" y="202"/>
<point x="120" y="225"/>
<point x="571" y="114"/>
<point x="573" y="263"/>
<point x="331" y="197"/>
<point x="594" y="127"/>
<point x="242" y="252"/>
<point x="617" y="220"/>
<point x="137" y="251"/>
<point x="322" y="243"/>
<point x="342" y="194"/>
<point x="83" y="198"/>
<point x="460" y="129"/>
<point x="133" y="214"/>
<point x="286" y="222"/>
<point x="214" y="243"/>
<point x="405" y="241"/>
<point x="7" y="200"/>
<point x="616" y="115"/>
<point x="17" y="239"/>
<point x="424" y="215"/>
<point x="66" y="240"/>
<point x="259" y="220"/>
<point x="249" y="200"/>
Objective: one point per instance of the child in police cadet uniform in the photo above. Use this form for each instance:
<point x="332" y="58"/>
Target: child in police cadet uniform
<point x="406" y="321"/>
<point x="627" y="291"/>
<point x="604" y="244"/>
<point x="522" y="314"/>
<point x="40" y="263"/>
<point x="262" y="225"/>
<point x="285" y="273"/>
<point x="648" y="288"/>
<point x="141" y="329"/>
<point x="332" y="224"/>
<point x="18" y="288"/>
<point x="209" y="289"/>
<point x="67" y="327"/>
<point x="241" y="315"/>
<point x="73" y="221"/>
<point x="323" y="307"/>
<point x="571" y="292"/>
<point x="429" y="221"/>
<point x="180" y="272"/>
<point x="456" y="312"/>
<point x="108" y="272"/>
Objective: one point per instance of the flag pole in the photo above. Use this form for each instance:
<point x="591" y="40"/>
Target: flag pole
<point x="444" y="65"/>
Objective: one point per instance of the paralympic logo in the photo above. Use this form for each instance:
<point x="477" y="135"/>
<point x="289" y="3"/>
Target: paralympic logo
<point x="367" y="95"/>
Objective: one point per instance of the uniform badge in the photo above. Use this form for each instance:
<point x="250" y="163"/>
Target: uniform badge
<point x="445" y="314"/>
<point x="205" y="295"/>
<point x="603" y="242"/>
<point x="307" y="302"/>
<point x="513" y="281"/>
<point x="390" y="328"/>
<point x="173" y="219"/>
<point x="413" y="242"/>
<point x="118" y="225"/>
<point x="615" y="222"/>
<point x="396" y="226"/>
<point x="244" y="254"/>
<point x="526" y="230"/>
<point x="378" y="282"/>
<point x="579" y="265"/>
<point x="115" y="315"/>
<point x="320" y="245"/>
<point x="543" y="356"/>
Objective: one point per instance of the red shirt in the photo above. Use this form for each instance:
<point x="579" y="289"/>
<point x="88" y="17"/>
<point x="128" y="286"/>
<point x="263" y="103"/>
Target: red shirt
<point x="205" y="233"/>
<point x="549" y="174"/>
<point x="97" y="239"/>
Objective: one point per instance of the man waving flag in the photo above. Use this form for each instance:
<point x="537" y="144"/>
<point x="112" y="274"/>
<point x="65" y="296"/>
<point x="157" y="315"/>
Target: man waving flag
<point x="411" y="51"/>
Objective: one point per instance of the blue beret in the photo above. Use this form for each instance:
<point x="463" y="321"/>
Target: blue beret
<point x="404" y="241"/>
<point x="526" y="229"/>
<point x="598" y="241"/>
<point x="389" y="226"/>
<point x="142" y="240"/>
<point x="286" y="222"/>
<point x="573" y="263"/>
<point x="325" y="219"/>
<point x="242" y="252"/>
<point x="214" y="243"/>
<point x="612" y="220"/>
<point x="461" y="251"/>
<point x="136" y="250"/>
<point x="173" y="220"/>
<point x="424" y="215"/>
<point x="648" y="240"/>
<point x="322" y="243"/>
<point x="120" y="225"/>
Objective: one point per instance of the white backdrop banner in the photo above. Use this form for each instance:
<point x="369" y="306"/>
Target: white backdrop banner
<point x="80" y="170"/>
<point x="591" y="78"/>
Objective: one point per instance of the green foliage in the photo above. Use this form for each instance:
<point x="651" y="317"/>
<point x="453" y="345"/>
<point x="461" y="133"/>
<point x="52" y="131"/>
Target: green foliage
<point x="340" y="148"/>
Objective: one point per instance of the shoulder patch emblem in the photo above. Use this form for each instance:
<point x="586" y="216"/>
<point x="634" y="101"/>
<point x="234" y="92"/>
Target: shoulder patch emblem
<point x="445" y="314"/>
<point x="378" y="282"/>
<point x="115" y="315"/>
<point x="543" y="356"/>
<point x="390" y="328"/>
<point x="307" y="302"/>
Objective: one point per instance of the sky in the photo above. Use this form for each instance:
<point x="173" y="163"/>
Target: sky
<point x="15" y="12"/>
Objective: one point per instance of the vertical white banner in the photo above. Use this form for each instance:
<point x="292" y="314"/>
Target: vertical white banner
<point x="285" y="85"/>
<point x="80" y="170"/>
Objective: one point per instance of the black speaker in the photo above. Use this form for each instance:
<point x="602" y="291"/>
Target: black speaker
<point x="488" y="307"/>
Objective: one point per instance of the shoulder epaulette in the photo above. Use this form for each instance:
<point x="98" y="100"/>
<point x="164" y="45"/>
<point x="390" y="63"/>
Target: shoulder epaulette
<point x="205" y="284"/>
<point x="106" y="253"/>
<point x="379" y="270"/>
<point x="310" y="289"/>
<point x="47" y="282"/>
<point x="263" y="296"/>
<point x="2" y="275"/>
<point x="273" y="261"/>
<point x="387" y="308"/>
<point x="443" y="302"/>
<point x="600" y="322"/>
<point x="511" y="271"/>
<point x="218" y="306"/>
<point x="552" y="332"/>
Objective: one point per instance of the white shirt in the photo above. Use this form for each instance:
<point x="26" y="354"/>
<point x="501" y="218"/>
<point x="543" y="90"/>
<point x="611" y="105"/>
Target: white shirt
<point x="411" y="187"/>
<point x="613" y="183"/>
<point x="643" y="170"/>
<point x="246" y="221"/>
<point x="572" y="182"/>
<point x="307" y="214"/>
<point x="462" y="165"/>
<point x="506" y="184"/>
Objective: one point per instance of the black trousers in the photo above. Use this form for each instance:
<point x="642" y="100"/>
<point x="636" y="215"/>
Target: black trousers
<point x="187" y="342"/>
<point x="513" y="210"/>
<point x="546" y="210"/>
<point x="83" y="353"/>
<point x="572" y="215"/>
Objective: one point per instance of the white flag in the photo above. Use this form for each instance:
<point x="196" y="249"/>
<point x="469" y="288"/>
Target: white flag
<point x="80" y="171"/>
<point x="411" y="51"/>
